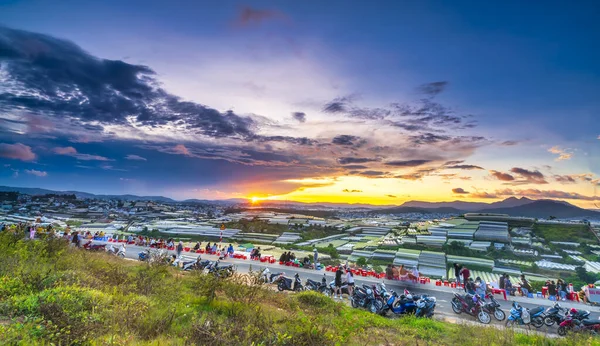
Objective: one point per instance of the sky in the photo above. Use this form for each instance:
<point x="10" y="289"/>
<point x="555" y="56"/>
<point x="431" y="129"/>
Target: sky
<point x="312" y="101"/>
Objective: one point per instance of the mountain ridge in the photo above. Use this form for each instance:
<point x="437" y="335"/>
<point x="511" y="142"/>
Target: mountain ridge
<point x="513" y="206"/>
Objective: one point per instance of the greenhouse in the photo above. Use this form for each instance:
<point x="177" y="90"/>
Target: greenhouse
<point x="432" y="264"/>
<point x="467" y="261"/>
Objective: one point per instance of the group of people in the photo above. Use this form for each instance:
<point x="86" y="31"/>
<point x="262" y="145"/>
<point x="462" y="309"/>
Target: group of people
<point x="393" y="272"/>
<point x="339" y="281"/>
<point x="287" y="257"/>
<point x="255" y="253"/>
<point x="557" y="289"/>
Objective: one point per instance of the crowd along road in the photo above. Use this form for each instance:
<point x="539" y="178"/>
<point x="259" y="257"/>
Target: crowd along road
<point x="443" y="294"/>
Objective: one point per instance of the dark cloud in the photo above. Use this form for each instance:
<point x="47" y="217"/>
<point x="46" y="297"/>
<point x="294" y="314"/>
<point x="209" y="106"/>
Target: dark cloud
<point x="299" y="116"/>
<point x="355" y="167"/>
<point x="465" y="167"/>
<point x="459" y="191"/>
<point x="286" y="139"/>
<point x="531" y="177"/>
<point x="502" y="176"/>
<point x="17" y="151"/>
<point x="410" y="176"/>
<point x="428" y="113"/>
<point x="451" y="163"/>
<point x="391" y="196"/>
<point x="481" y="194"/>
<point x="373" y="173"/>
<point x="351" y="191"/>
<point x="432" y="89"/>
<point x="368" y="113"/>
<point x="349" y="160"/>
<point x="338" y="105"/>
<point x="252" y="16"/>
<point x="429" y="138"/>
<point x="57" y="78"/>
<point x="348" y="140"/>
<point x="407" y="163"/>
<point x="509" y="143"/>
<point x="520" y="176"/>
<point x="564" y="179"/>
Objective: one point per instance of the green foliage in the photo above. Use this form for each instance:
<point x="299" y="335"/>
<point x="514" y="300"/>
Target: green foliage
<point x="459" y="249"/>
<point x="573" y="233"/>
<point x="361" y="261"/>
<point x="53" y="294"/>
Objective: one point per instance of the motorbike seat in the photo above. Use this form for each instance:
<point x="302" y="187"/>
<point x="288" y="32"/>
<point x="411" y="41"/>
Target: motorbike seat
<point x="590" y="322"/>
<point x="536" y="311"/>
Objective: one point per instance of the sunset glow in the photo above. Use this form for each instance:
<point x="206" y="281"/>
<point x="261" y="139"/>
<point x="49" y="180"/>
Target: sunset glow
<point x="218" y="102"/>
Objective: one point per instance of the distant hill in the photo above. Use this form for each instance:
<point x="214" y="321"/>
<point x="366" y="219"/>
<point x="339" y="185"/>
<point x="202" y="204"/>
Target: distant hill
<point x="470" y="206"/>
<point x="513" y="206"/>
<point x="405" y="210"/>
<point x="545" y="209"/>
<point x="79" y="194"/>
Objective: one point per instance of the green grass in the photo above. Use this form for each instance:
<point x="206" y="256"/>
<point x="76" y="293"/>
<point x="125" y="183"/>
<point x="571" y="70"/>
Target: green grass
<point x="570" y="233"/>
<point x="53" y="294"/>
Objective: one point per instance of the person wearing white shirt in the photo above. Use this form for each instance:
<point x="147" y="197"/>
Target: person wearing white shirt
<point x="350" y="281"/>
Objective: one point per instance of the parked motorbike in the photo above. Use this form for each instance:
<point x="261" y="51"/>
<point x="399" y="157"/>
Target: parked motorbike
<point x="120" y="252"/>
<point x="316" y="285"/>
<point x="572" y="323"/>
<point x="554" y="314"/>
<point x="523" y="316"/>
<point x="364" y="297"/>
<point x="330" y="291"/>
<point x="425" y="306"/>
<point x="144" y="255"/>
<point x="94" y="247"/>
<point x="382" y="292"/>
<point x="493" y="308"/>
<point x="400" y="305"/>
<point x="471" y="305"/>
<point x="198" y="264"/>
<point x="287" y="284"/>
<point x="222" y="271"/>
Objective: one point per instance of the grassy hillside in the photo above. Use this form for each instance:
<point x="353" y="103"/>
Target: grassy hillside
<point x="573" y="233"/>
<point x="50" y="293"/>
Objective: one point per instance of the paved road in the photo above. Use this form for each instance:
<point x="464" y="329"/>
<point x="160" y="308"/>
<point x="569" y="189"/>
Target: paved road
<point x="442" y="294"/>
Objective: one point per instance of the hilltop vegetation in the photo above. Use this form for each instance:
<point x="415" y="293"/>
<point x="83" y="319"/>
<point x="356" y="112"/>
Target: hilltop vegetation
<point x="50" y="293"/>
<point x="578" y="233"/>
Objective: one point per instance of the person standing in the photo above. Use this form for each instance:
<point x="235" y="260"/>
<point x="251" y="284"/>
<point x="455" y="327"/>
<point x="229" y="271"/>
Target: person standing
<point x="75" y="240"/>
<point x="501" y="281"/>
<point x="457" y="268"/>
<point x="32" y="233"/>
<point x="562" y="289"/>
<point x="525" y="286"/>
<point x="179" y="249"/>
<point x="338" y="282"/>
<point x="551" y="290"/>
<point x="315" y="257"/>
<point x="350" y="281"/>
<point x="466" y="274"/>
<point x="481" y="287"/>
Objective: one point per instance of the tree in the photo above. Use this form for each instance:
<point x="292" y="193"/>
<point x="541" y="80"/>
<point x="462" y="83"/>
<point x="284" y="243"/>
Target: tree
<point x="361" y="261"/>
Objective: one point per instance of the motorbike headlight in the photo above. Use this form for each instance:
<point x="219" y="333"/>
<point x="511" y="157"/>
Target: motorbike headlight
<point x="432" y="299"/>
